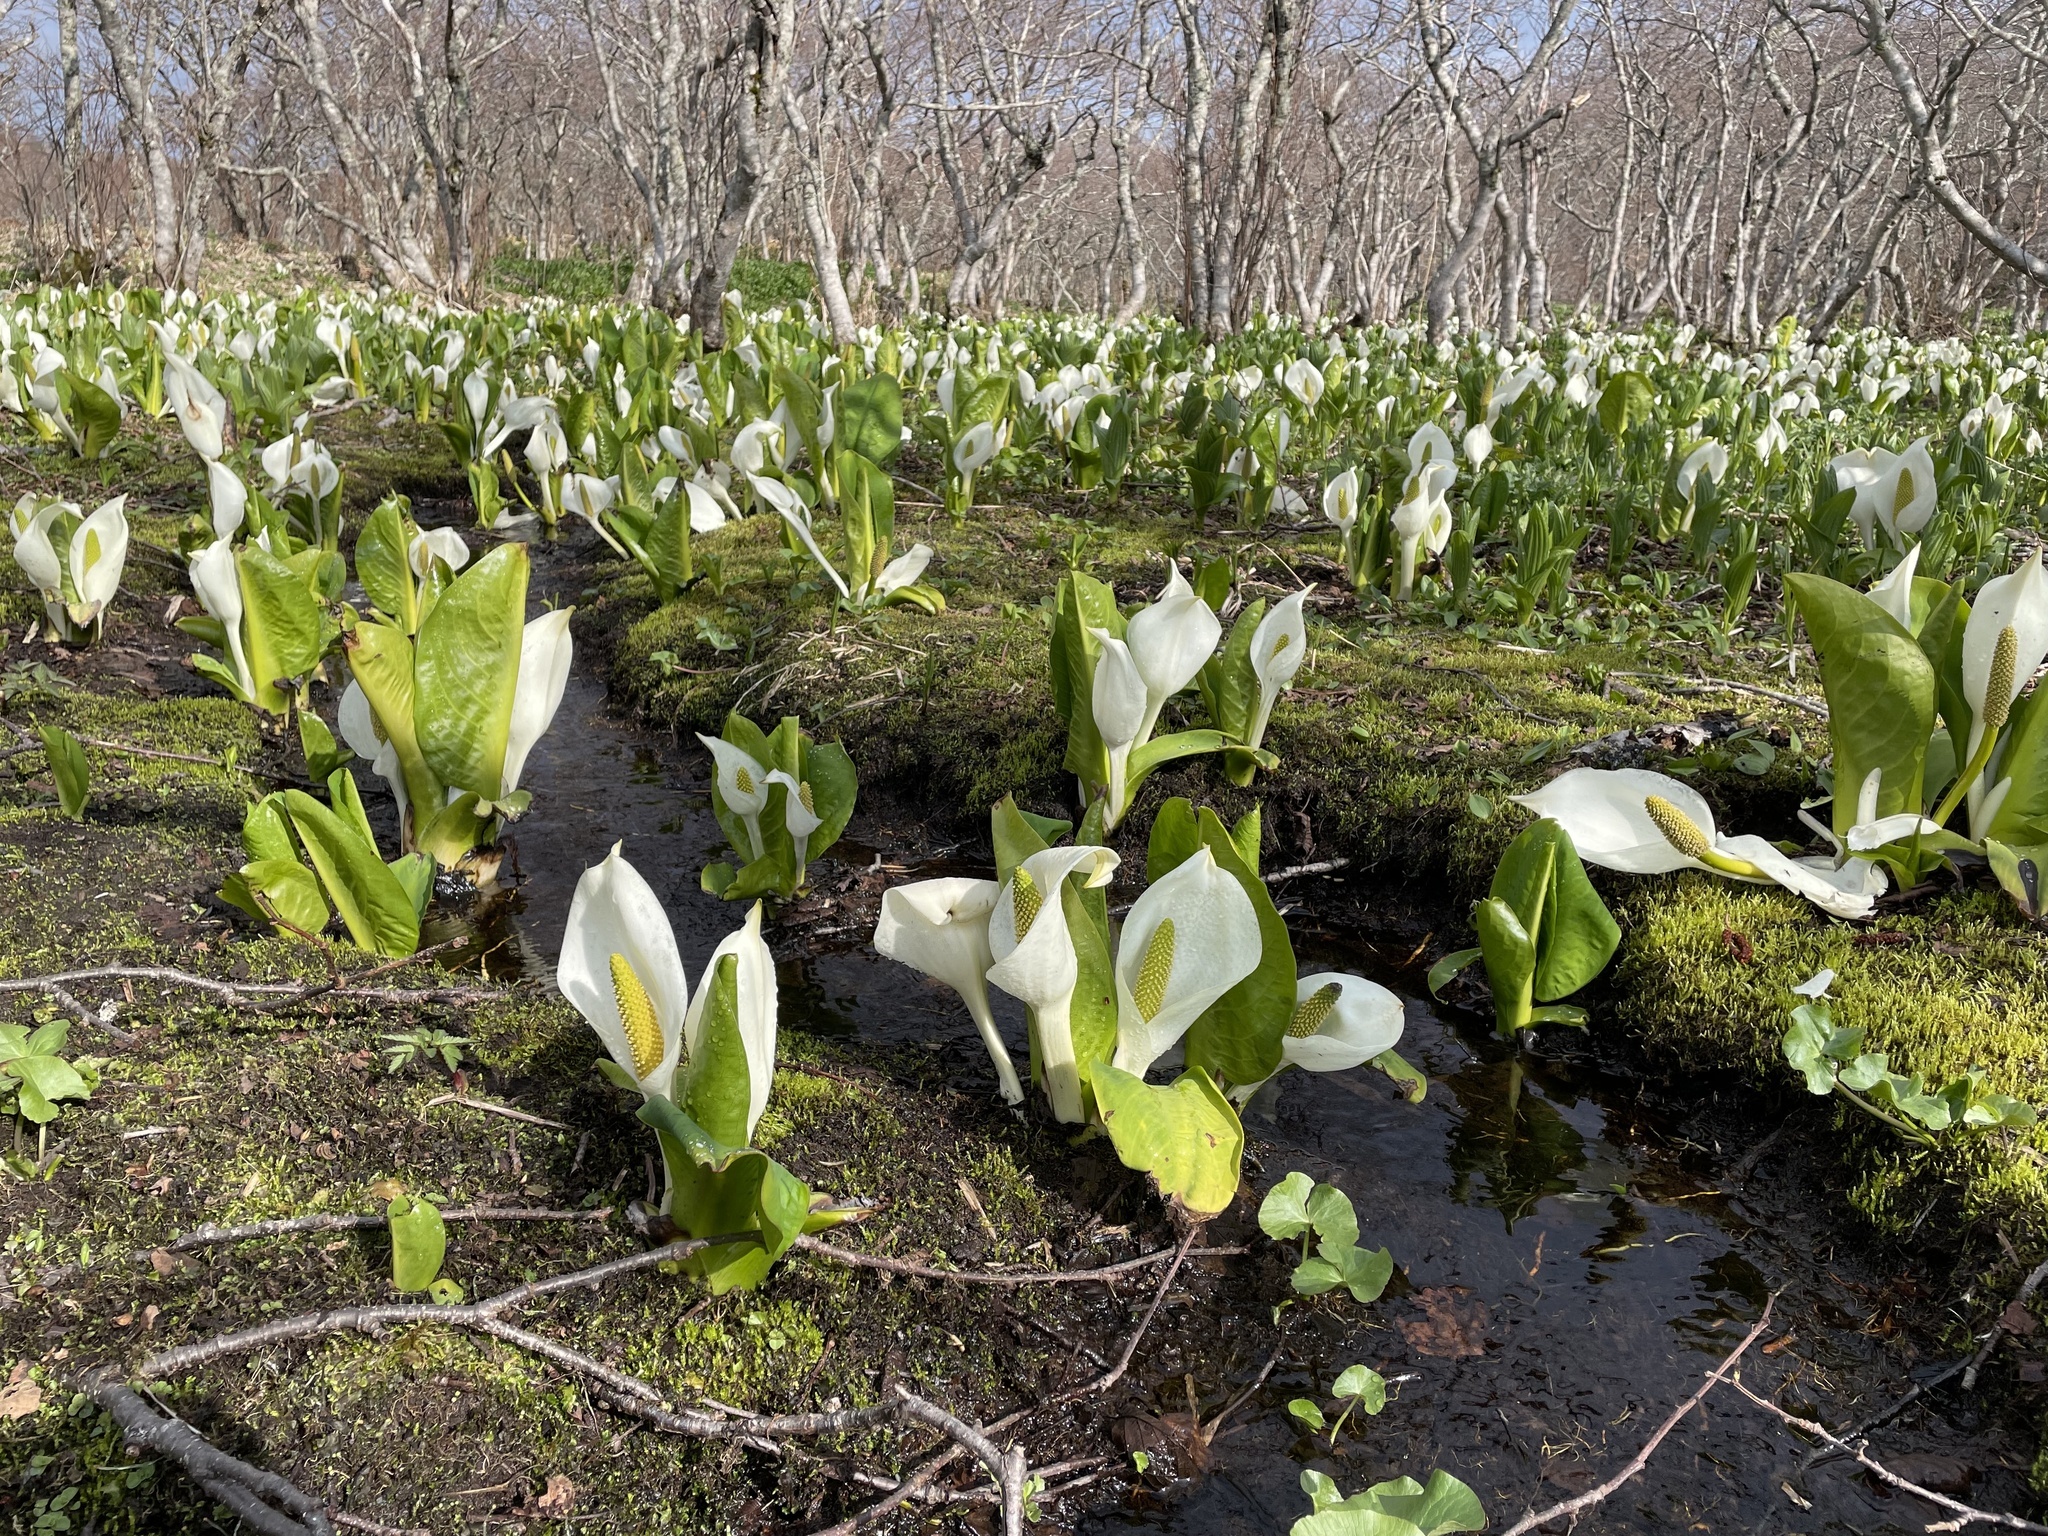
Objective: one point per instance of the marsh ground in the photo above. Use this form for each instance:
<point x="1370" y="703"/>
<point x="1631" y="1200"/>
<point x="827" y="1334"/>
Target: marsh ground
<point x="1576" y="1231"/>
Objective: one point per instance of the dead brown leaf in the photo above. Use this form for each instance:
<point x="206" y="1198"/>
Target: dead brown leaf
<point x="1453" y="1324"/>
<point x="20" y="1397"/>
<point x="559" y="1498"/>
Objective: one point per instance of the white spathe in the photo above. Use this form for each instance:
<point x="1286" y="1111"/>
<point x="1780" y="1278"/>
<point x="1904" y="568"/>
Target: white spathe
<point x="742" y="784"/>
<point x="1279" y="646"/>
<point x="1215" y="944"/>
<point x="615" y="912"/>
<point x="1366" y="1021"/>
<point x="1040" y="968"/>
<point x="545" y="650"/>
<point x="940" y="927"/>
<point x="1603" y="810"/>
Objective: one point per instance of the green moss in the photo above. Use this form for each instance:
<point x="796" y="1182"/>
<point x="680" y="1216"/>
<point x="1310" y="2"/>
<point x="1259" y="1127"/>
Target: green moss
<point x="1954" y="983"/>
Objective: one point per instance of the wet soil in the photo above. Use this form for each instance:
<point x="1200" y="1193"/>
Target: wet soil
<point x="1576" y="1243"/>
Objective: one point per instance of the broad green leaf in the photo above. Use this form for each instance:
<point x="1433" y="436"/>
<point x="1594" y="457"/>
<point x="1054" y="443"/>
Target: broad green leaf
<point x="1880" y="691"/>
<point x="2018" y="870"/>
<point x="377" y="910"/>
<point x="291" y="889"/>
<point x="419" y="1241"/>
<point x="1229" y="681"/>
<point x="1245" y="835"/>
<point x="415" y="875"/>
<point x="719" y="1188"/>
<point x="1441" y="973"/>
<point x="1176" y="838"/>
<point x="467" y="671"/>
<point x="1413" y="1084"/>
<point x="1091" y="1015"/>
<point x="96" y="413"/>
<point x="316" y="742"/>
<point x="1331" y="1213"/>
<point x="668" y="545"/>
<point x="1284" y="1211"/>
<point x="1575" y="935"/>
<point x="1016" y="835"/>
<point x="265" y="832"/>
<point x="1363" y="1383"/>
<point x="1238" y="1036"/>
<point x="384" y="565"/>
<point x="1443" y="1506"/>
<point x="1084" y="605"/>
<point x="1185" y="1135"/>
<point x="68" y="767"/>
<point x="1510" y="963"/>
<point x="282" y="635"/>
<point x="1305" y="1413"/>
<point x="1050" y="829"/>
<point x="1627" y="400"/>
<point x="1364" y="1272"/>
<point x="835" y="787"/>
<point x="1161" y="750"/>
<point x="44" y="1078"/>
<point x="347" y="803"/>
<point x="869" y="417"/>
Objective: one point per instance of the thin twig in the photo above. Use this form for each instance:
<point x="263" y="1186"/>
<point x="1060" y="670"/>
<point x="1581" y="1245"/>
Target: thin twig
<point x="336" y="1221"/>
<point x="1964" y="1514"/>
<point x="1674" y="684"/>
<point x="1641" y="1459"/>
<point x="490" y="1108"/>
<point x="84" y="1014"/>
<point x="237" y="994"/>
<point x="2026" y="1292"/>
<point x="848" y="1256"/>
<point x="1115" y="1373"/>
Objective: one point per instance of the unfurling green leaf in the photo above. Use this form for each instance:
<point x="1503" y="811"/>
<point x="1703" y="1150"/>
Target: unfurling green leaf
<point x="419" y="1241"/>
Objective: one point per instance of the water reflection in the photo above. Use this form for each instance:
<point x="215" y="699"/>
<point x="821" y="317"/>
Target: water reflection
<point x="1510" y="1139"/>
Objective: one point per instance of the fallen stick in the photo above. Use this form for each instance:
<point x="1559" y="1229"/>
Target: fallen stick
<point x="1964" y="1514"/>
<point x="335" y="1221"/>
<point x="1641" y="1459"/>
<point x="2026" y="1291"/>
<point x="238" y="994"/>
<point x="263" y="1500"/>
<point x="848" y="1256"/>
<point x="489" y="1108"/>
<point x="1675" y="684"/>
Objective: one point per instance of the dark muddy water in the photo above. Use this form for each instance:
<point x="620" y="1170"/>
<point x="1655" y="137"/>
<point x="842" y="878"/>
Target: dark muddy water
<point x="1573" y="1252"/>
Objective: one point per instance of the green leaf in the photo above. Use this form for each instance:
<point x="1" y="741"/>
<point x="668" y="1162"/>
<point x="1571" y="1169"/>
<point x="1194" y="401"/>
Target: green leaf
<point x="1627" y="400"/>
<point x="415" y="875"/>
<point x="1237" y="1037"/>
<point x="868" y="416"/>
<point x="1091" y="1014"/>
<point x="292" y="890"/>
<point x="1229" y="681"/>
<point x="44" y="1079"/>
<point x="1510" y="963"/>
<point x="1364" y="1385"/>
<point x="96" y="413"/>
<point x="1244" y="836"/>
<point x="1161" y="750"/>
<point x="1331" y="1213"/>
<point x="1185" y="1135"/>
<point x="1284" y="1211"/>
<point x="1176" y="838"/>
<point x="282" y="632"/>
<point x="68" y="767"/>
<point x="1363" y="1272"/>
<point x="1805" y="1047"/>
<point x="467" y="671"/>
<point x="1880" y="690"/>
<point x="316" y="742"/>
<point x="1441" y="973"/>
<point x="419" y="1241"/>
<point x="377" y="910"/>
<point x="1016" y="835"/>
<point x="716" y="1088"/>
<point x="1306" y="1414"/>
<point x="347" y="803"/>
<point x="716" y="877"/>
<point x="384" y="565"/>
<point x="2019" y="872"/>
<point x="1541" y="878"/>
<point x="719" y="1188"/>
<point x="1084" y="604"/>
<point x="1445" y="1505"/>
<point x="1413" y="1084"/>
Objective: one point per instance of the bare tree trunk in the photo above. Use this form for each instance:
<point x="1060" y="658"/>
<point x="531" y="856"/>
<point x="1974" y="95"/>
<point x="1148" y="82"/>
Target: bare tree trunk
<point x="71" y="146"/>
<point x="138" y="101"/>
<point x="765" y="56"/>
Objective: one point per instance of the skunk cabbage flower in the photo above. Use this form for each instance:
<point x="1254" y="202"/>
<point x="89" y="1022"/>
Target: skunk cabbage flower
<point x="1279" y="646"/>
<point x="1645" y="823"/>
<point x="1189" y="939"/>
<point x="622" y="972"/>
<point x="1304" y="381"/>
<point x="357" y="723"/>
<point x="1430" y="442"/>
<point x="79" y="581"/>
<point x="1340" y="1022"/>
<point x="1894" y="491"/>
<point x="1170" y="640"/>
<point x="1709" y="459"/>
<point x="799" y="817"/>
<point x="2003" y="644"/>
<point x="977" y="445"/>
<point x="1035" y="961"/>
<point x="1340" y="501"/>
<point x="201" y="409"/>
<point x="545" y="650"/>
<point x="940" y="927"/>
<point x="1478" y="444"/>
<point x="757" y="1005"/>
<point x="443" y="544"/>
<point x="742" y="785"/>
<point x="1894" y="594"/>
<point x="1423" y="519"/>
<point x="230" y="499"/>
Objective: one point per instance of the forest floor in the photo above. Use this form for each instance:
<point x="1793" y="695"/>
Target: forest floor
<point x="1672" y="1164"/>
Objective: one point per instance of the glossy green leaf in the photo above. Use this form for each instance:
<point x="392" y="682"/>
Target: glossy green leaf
<point x="415" y="875"/>
<point x="869" y="417"/>
<point x="1084" y="605"/>
<point x="1880" y="690"/>
<point x="2018" y="871"/>
<point x="1229" y="681"/>
<point x="376" y="909"/>
<point x="1284" y="1211"/>
<point x="1413" y="1085"/>
<point x="1176" y="838"/>
<point x="1362" y="1384"/>
<point x="290" y="890"/>
<point x="282" y="633"/>
<point x="1306" y="1413"/>
<point x="94" y="412"/>
<point x="1510" y="963"/>
<point x="467" y="670"/>
<point x="384" y="565"/>
<point x="1364" y="1272"/>
<point x="66" y="759"/>
<point x="1185" y="1135"/>
<point x="419" y="1241"/>
<point x="1441" y="973"/>
<point x="1238" y="1036"/>
<point x="317" y="744"/>
<point x="715" y="1086"/>
<point x="1542" y="879"/>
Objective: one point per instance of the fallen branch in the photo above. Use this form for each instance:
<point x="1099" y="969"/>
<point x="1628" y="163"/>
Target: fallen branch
<point x="83" y="1014"/>
<point x="2026" y="1291"/>
<point x="489" y="1108"/>
<point x="238" y="994"/>
<point x="1115" y="1373"/>
<point x="335" y="1221"/>
<point x="1964" y="1514"/>
<point x="623" y="1391"/>
<point x="1641" y="1459"/>
<point x="848" y="1256"/>
<point x="263" y="1500"/>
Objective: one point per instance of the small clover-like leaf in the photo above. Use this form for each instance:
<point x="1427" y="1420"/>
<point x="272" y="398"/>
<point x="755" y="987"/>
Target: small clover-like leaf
<point x="1284" y="1211"/>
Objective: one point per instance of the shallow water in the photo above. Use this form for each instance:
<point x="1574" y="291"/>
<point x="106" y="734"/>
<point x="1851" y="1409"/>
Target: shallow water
<point x="1567" y="1269"/>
